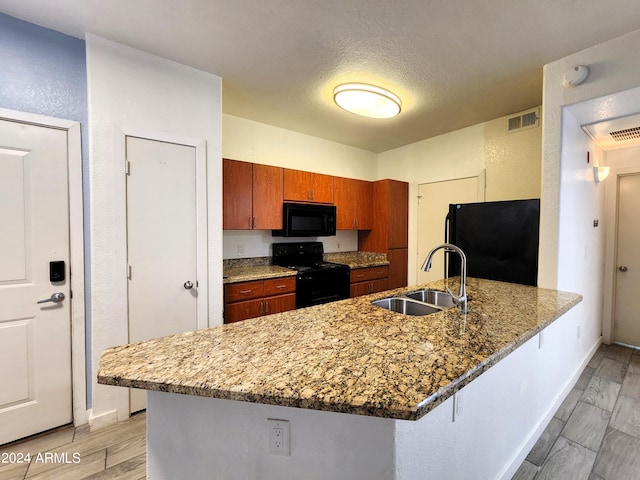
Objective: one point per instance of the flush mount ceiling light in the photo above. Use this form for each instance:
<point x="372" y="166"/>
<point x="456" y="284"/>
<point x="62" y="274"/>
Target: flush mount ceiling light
<point x="367" y="100"/>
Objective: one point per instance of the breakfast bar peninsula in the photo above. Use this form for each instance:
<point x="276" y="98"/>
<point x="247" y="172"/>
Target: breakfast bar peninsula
<point x="358" y="391"/>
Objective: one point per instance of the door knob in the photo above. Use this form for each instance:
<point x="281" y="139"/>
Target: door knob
<point x="188" y="285"/>
<point x="623" y="268"/>
<point x="56" y="297"/>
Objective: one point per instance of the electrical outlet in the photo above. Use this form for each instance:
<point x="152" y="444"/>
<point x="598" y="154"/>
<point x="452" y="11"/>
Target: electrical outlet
<point x="578" y="330"/>
<point x="278" y="435"/>
<point x="240" y="249"/>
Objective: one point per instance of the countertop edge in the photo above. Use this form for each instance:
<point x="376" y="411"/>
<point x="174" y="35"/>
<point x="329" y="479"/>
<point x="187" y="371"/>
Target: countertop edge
<point x="366" y="409"/>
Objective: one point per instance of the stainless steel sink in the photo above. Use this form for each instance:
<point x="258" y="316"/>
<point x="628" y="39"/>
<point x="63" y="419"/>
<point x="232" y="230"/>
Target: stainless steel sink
<point x="406" y="306"/>
<point x="434" y="297"/>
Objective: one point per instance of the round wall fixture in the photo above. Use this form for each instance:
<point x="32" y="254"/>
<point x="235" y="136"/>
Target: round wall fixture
<point x="367" y="100"/>
<point x="575" y="76"/>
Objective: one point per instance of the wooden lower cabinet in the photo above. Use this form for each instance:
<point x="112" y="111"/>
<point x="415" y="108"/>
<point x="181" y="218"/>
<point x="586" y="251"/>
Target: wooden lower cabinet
<point x="369" y="280"/>
<point x="253" y="299"/>
<point x="398" y="266"/>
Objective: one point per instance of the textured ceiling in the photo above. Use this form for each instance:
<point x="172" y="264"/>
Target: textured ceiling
<point x="454" y="63"/>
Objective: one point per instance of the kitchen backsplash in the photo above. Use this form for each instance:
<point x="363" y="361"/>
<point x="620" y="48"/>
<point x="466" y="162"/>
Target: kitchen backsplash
<point x="257" y="243"/>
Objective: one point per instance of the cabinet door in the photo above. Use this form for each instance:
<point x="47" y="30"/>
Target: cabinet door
<point x="379" y="285"/>
<point x="281" y="303"/>
<point x="344" y="201"/>
<point x="397" y="212"/>
<point x="235" y="312"/>
<point x="398" y="261"/>
<point x="267" y="197"/>
<point x="297" y="185"/>
<point x="237" y="188"/>
<point x="363" y="211"/>
<point x="321" y="188"/>
<point x="359" y="289"/>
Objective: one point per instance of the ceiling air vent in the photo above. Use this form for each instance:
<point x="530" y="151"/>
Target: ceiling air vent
<point x="626" y="134"/>
<point x="523" y="120"/>
<point x="616" y="133"/>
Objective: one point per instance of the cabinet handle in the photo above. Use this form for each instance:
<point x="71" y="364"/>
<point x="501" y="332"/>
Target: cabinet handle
<point x="261" y="308"/>
<point x="244" y="292"/>
<point x="250" y="219"/>
<point x="266" y="308"/>
<point x="280" y="287"/>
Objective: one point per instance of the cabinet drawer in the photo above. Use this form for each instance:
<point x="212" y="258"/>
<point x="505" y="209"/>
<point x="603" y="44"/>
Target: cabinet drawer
<point x="278" y="286"/>
<point x="235" y="292"/>
<point x="370" y="273"/>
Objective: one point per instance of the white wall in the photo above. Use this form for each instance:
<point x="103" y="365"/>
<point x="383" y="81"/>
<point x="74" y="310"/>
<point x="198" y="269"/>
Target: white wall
<point x="131" y="89"/>
<point x="511" y="161"/>
<point x="572" y="252"/>
<point x="256" y="142"/>
<point x="608" y="92"/>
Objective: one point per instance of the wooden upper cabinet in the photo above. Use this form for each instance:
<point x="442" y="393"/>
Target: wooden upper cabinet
<point x="267" y="197"/>
<point x="251" y="196"/>
<point x="353" y="201"/>
<point x="302" y="186"/>
<point x="237" y="195"/>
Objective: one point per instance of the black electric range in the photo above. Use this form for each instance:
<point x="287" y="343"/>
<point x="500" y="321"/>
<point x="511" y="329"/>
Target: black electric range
<point x="317" y="281"/>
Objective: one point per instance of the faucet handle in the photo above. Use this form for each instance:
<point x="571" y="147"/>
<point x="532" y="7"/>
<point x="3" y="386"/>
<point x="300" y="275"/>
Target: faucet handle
<point x="454" y="297"/>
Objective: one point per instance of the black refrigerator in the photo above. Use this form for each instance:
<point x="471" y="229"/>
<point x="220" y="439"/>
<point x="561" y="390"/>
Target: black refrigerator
<point x="500" y="239"/>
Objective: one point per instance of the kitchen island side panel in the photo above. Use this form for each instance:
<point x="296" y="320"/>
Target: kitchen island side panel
<point x="502" y="413"/>
<point x="206" y="438"/>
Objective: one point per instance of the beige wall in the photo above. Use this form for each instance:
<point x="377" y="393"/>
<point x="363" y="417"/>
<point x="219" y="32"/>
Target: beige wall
<point x="256" y="142"/>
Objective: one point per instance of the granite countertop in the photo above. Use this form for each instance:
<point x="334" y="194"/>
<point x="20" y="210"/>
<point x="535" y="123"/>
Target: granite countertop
<point x="259" y="272"/>
<point x="357" y="259"/>
<point x="348" y="356"/>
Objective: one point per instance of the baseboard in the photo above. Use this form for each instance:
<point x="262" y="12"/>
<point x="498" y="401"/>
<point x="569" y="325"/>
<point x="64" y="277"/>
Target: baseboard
<point x="544" y="421"/>
<point x="97" y="422"/>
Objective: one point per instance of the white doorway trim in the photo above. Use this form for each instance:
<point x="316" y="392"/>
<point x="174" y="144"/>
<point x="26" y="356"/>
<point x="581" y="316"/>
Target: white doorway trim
<point x="76" y="250"/>
<point x="610" y="267"/>
<point x="120" y="234"/>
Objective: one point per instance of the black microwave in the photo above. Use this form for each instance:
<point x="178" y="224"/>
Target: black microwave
<point x="307" y="220"/>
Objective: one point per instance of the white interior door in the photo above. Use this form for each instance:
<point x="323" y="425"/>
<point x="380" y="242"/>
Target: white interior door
<point x="626" y="322"/>
<point x="35" y="338"/>
<point x="161" y="242"/>
<point x="433" y="206"/>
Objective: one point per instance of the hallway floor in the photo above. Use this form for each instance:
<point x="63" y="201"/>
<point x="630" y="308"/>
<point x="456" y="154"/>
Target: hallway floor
<point x="595" y="434"/>
<point x="115" y="452"/>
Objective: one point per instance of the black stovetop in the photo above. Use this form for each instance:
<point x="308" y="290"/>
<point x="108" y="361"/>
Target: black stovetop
<point x="302" y="256"/>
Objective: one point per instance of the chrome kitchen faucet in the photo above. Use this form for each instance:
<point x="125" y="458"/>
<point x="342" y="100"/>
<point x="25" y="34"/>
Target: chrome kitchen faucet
<point x="461" y="299"/>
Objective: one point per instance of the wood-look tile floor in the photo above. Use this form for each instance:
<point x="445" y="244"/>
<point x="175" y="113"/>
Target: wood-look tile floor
<point x="67" y="453"/>
<point x="595" y="434"/>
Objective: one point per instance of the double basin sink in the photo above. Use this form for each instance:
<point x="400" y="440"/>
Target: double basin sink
<point x="419" y="302"/>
